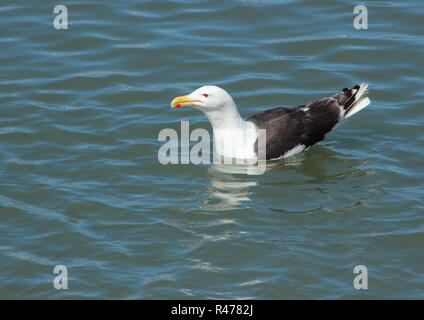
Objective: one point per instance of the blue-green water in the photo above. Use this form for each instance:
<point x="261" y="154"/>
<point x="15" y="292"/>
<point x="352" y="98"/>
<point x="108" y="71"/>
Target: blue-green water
<point x="81" y="184"/>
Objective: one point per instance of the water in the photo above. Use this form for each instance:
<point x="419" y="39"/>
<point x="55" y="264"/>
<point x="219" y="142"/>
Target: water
<point x="81" y="184"/>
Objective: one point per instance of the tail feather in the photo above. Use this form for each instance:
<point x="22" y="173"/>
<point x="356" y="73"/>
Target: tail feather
<point x="361" y="104"/>
<point x="353" y="100"/>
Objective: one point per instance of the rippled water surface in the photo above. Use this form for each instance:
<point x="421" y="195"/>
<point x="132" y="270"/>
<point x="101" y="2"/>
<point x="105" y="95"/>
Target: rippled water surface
<point x="81" y="184"/>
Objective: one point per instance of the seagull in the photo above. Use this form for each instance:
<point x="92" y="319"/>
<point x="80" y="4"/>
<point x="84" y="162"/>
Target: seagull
<point x="288" y="130"/>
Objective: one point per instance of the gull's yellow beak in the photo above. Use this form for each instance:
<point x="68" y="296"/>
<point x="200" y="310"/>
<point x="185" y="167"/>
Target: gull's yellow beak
<point x="178" y="102"/>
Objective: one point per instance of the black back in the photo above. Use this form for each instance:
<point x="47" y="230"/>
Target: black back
<point x="286" y="128"/>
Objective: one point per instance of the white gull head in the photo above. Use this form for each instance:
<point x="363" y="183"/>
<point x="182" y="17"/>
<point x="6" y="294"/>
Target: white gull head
<point x="233" y="136"/>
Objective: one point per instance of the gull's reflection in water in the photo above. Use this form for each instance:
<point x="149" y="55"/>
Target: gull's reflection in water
<point x="228" y="190"/>
<point x="231" y="183"/>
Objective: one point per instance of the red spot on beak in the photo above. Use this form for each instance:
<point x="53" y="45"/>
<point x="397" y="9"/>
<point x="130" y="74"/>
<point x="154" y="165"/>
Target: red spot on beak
<point x="178" y="105"/>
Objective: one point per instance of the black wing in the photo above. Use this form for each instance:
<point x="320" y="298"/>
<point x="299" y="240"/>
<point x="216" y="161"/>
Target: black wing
<point x="305" y="125"/>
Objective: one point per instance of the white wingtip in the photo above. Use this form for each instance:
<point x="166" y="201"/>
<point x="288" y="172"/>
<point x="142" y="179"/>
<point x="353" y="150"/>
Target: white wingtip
<point x="361" y="102"/>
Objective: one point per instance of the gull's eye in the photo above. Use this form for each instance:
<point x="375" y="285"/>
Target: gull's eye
<point x="205" y="95"/>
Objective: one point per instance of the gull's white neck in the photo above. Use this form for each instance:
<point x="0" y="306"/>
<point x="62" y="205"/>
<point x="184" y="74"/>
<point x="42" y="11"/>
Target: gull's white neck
<point x="233" y="136"/>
